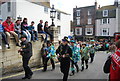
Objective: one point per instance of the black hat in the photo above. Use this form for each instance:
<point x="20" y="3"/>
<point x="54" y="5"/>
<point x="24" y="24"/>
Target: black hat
<point x="23" y="36"/>
<point x="48" y="42"/>
<point x="65" y="40"/>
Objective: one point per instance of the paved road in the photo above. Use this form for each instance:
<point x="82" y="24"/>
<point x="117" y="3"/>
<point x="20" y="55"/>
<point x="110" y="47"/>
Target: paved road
<point x="94" y="72"/>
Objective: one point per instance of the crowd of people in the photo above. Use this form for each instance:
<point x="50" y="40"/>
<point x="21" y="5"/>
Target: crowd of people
<point x="19" y="28"/>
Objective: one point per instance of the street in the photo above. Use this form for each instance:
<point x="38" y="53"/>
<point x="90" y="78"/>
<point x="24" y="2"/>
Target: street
<point x="95" y="71"/>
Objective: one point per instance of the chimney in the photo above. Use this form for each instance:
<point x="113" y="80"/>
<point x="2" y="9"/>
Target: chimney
<point x="116" y="3"/>
<point x="99" y="7"/>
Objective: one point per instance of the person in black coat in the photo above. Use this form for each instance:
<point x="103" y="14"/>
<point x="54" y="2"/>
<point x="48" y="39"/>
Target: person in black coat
<point x="47" y="30"/>
<point x="26" y="53"/>
<point x="64" y="53"/>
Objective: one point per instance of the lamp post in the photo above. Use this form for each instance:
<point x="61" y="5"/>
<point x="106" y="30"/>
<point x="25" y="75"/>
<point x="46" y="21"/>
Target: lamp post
<point x="52" y="15"/>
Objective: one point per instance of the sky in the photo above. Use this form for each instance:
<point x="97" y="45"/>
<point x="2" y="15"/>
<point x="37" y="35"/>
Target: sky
<point x="68" y="5"/>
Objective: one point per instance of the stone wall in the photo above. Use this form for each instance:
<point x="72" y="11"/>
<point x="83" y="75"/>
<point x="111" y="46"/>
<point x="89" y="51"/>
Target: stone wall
<point x="11" y="60"/>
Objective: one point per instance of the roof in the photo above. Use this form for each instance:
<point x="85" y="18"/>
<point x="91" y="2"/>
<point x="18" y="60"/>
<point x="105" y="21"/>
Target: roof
<point x="46" y="3"/>
<point x="87" y="6"/>
<point x="109" y="7"/>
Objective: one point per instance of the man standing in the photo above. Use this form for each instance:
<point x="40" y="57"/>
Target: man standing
<point x="64" y="54"/>
<point x="9" y="29"/>
<point x="26" y="52"/>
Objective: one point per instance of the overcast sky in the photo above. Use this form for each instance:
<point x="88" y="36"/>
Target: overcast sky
<point x="68" y="5"/>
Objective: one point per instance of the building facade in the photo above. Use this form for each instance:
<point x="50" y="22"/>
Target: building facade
<point x="36" y="11"/>
<point x="107" y="21"/>
<point x="84" y="22"/>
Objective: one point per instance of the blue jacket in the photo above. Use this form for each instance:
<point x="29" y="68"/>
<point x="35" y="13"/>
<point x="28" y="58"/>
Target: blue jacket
<point x="51" y="51"/>
<point x="30" y="28"/>
<point x="1" y="28"/>
<point x="75" y="53"/>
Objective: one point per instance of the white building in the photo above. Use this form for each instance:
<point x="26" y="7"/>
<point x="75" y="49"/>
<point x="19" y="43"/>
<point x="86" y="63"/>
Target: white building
<point x="118" y="19"/>
<point x="107" y="21"/>
<point x="35" y="11"/>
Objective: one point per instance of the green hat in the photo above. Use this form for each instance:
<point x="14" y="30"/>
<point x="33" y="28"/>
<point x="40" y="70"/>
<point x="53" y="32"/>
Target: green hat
<point x="73" y="41"/>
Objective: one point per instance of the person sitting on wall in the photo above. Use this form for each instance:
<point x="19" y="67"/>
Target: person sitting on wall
<point x="24" y="26"/>
<point x="9" y="30"/>
<point x="40" y="29"/>
<point x="3" y="36"/>
<point x="47" y="30"/>
<point x="34" y="34"/>
<point x="18" y="27"/>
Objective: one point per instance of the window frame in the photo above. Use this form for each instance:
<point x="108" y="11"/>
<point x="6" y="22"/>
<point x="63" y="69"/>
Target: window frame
<point x="78" y="29"/>
<point x="105" y="15"/>
<point x="45" y="9"/>
<point x="9" y="6"/>
<point x="58" y="15"/>
<point x="78" y="11"/>
<point x="78" y="20"/>
<point x="86" y="30"/>
<point x="107" y="32"/>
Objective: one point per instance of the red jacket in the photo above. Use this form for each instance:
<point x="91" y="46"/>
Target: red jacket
<point x="7" y="27"/>
<point x="115" y="66"/>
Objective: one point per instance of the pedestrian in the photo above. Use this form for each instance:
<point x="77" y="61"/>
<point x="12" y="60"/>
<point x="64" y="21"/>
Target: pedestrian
<point x="115" y="64"/>
<point x="47" y="30"/>
<point x="3" y="36"/>
<point x="49" y="54"/>
<point x="26" y="53"/>
<point x="64" y="53"/>
<point x="9" y="30"/>
<point x="92" y="53"/>
<point x="24" y="26"/>
<point x="40" y="29"/>
<point x="18" y="27"/>
<point x="75" y="57"/>
<point x="84" y="55"/>
<point x="34" y="34"/>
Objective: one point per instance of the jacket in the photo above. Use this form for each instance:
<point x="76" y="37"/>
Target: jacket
<point x="8" y="27"/>
<point x="64" y="49"/>
<point x="75" y="53"/>
<point x="85" y="53"/>
<point x="27" y="49"/>
<point x="1" y="28"/>
<point x="50" y="51"/>
<point x="30" y="28"/>
<point x="39" y="27"/>
<point x="115" y="66"/>
<point x="24" y="26"/>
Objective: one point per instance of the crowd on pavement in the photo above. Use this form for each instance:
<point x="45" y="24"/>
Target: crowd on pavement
<point x="19" y="28"/>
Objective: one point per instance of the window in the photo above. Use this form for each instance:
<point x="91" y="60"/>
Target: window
<point x="78" y="12"/>
<point x="45" y="9"/>
<point x="105" y="32"/>
<point x="89" y="21"/>
<point x="78" y="31"/>
<point x="59" y="29"/>
<point x="105" y="13"/>
<point x="9" y="6"/>
<point x="89" y="13"/>
<point x="105" y="21"/>
<point x="58" y="15"/>
<point x="78" y="20"/>
<point x="89" y="31"/>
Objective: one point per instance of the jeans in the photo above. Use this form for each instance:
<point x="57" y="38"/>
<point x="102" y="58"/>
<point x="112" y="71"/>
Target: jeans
<point x="34" y="35"/>
<point x="3" y="36"/>
<point x="27" y="33"/>
<point x="45" y="40"/>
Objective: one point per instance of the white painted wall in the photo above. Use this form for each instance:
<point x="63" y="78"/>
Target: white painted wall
<point x="118" y="19"/>
<point x="35" y="13"/>
<point x="111" y="26"/>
